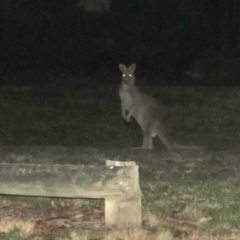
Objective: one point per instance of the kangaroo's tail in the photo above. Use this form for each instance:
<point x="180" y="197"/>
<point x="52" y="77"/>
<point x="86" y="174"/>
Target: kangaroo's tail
<point x="176" y="146"/>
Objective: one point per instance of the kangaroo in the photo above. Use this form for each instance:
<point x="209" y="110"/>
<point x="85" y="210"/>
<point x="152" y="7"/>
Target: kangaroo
<point x="148" y="113"/>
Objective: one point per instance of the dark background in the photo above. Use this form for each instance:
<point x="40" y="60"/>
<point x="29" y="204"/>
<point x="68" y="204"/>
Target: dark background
<point x="165" y="38"/>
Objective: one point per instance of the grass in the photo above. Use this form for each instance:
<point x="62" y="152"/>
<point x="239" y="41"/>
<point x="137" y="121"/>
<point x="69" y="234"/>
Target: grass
<point x="186" y="194"/>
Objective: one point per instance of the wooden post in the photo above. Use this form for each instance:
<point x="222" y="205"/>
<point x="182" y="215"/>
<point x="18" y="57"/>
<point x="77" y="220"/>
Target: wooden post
<point x="117" y="183"/>
<point x="125" y="212"/>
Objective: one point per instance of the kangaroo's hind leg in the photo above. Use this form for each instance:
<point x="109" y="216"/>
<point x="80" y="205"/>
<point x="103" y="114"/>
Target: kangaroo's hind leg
<point x="161" y="133"/>
<point x="147" y="140"/>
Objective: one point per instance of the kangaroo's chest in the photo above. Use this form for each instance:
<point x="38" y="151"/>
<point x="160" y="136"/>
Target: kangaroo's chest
<point x="125" y="97"/>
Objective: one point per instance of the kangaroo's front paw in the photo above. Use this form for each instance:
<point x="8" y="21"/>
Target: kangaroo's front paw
<point x="128" y="119"/>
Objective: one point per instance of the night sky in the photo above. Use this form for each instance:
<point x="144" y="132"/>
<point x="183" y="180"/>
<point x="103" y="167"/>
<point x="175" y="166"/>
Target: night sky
<point x="176" y="40"/>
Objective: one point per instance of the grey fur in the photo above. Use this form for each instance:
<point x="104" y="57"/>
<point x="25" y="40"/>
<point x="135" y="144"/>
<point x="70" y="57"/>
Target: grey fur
<point x="145" y="110"/>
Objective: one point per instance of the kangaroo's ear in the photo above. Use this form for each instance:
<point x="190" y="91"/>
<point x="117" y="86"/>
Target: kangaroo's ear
<point x="122" y="67"/>
<point x="132" y="67"/>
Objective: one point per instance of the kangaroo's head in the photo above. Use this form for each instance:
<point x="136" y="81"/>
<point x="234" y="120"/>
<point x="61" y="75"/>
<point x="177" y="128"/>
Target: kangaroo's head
<point x="128" y="77"/>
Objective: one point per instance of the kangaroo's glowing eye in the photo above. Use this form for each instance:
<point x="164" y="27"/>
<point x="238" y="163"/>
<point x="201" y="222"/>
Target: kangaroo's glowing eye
<point x="130" y="75"/>
<point x="124" y="75"/>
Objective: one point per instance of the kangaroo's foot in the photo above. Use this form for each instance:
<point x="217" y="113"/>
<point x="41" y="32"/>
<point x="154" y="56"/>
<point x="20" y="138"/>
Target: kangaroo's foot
<point x="142" y="148"/>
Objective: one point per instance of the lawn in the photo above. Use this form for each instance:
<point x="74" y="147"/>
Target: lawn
<point x="186" y="194"/>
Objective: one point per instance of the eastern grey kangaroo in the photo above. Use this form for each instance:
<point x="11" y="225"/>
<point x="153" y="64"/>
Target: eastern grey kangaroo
<point x="146" y="110"/>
